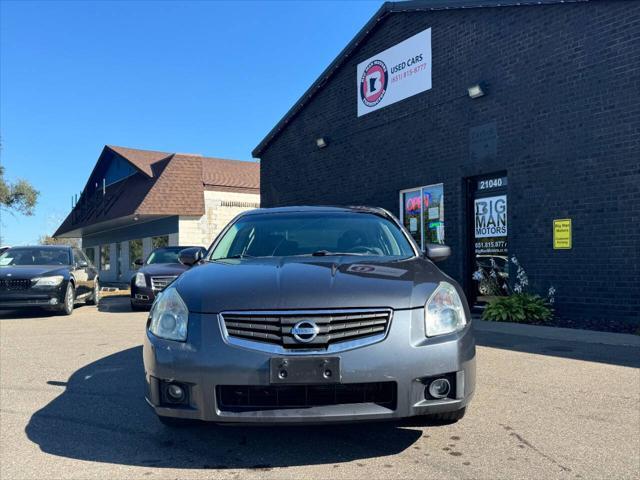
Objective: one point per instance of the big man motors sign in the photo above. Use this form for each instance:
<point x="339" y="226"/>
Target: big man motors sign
<point x="395" y="74"/>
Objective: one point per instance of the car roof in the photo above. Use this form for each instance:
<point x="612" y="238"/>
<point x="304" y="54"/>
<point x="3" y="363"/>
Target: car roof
<point x="318" y="209"/>
<point x="46" y="247"/>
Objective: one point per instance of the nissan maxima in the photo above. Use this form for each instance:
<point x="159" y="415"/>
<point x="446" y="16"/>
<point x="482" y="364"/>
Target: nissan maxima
<point x="50" y="276"/>
<point x="311" y="315"/>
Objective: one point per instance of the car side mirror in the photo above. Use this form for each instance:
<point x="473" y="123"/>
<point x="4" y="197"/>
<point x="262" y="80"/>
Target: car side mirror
<point x="437" y="252"/>
<point x="82" y="264"/>
<point x="190" y="256"/>
<point x="139" y="262"/>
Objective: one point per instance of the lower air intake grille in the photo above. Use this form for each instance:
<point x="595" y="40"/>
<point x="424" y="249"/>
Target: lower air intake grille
<point x="15" y="284"/>
<point x="248" y="397"/>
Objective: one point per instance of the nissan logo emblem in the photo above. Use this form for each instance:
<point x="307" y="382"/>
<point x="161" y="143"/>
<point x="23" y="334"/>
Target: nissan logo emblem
<point x="305" y="331"/>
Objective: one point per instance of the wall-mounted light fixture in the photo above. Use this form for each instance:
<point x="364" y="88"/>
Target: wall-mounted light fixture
<point x="321" y="142"/>
<point x="478" y="90"/>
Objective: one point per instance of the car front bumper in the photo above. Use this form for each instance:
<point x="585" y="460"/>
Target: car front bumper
<point x="34" y="297"/>
<point x="206" y="362"/>
<point x="142" y="296"/>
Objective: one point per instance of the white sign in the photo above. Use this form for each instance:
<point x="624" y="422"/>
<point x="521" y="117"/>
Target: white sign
<point x="395" y="74"/>
<point x="413" y="224"/>
<point x="491" y="217"/>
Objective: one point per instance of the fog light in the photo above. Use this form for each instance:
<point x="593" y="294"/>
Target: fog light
<point x="53" y="301"/>
<point x="175" y="392"/>
<point x="439" y="388"/>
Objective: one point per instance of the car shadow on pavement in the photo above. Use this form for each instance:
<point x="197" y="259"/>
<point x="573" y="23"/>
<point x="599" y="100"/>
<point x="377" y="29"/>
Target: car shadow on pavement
<point x="102" y="416"/>
<point x="115" y="304"/>
<point x="34" y="313"/>
<point x="627" y="356"/>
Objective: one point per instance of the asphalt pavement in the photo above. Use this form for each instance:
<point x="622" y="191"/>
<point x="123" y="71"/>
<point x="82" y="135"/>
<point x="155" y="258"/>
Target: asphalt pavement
<point x="72" y="406"/>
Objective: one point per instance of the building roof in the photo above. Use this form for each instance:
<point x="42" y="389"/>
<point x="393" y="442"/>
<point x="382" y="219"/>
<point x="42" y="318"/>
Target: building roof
<point x="386" y="9"/>
<point x="163" y="184"/>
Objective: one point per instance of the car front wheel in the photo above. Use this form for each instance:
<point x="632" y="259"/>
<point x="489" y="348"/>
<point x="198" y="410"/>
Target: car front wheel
<point x="69" y="299"/>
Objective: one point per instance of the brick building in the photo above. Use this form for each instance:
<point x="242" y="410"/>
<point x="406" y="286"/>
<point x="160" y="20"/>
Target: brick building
<point x="136" y="200"/>
<point x="447" y="112"/>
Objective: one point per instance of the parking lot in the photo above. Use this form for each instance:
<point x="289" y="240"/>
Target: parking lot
<point x="72" y="406"/>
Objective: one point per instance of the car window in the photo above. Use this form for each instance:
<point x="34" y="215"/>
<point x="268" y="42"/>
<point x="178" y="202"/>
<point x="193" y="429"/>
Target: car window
<point x="292" y="234"/>
<point x="163" y="256"/>
<point x="79" y="256"/>
<point x="35" y="256"/>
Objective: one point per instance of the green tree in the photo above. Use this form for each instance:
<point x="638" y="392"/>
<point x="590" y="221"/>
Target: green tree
<point x="18" y="197"/>
<point x="48" y="240"/>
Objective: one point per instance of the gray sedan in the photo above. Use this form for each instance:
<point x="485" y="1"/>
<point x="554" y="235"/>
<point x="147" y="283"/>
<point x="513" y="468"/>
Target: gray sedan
<point x="311" y="315"/>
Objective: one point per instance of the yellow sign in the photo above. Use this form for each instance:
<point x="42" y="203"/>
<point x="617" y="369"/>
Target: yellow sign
<point x="562" y="234"/>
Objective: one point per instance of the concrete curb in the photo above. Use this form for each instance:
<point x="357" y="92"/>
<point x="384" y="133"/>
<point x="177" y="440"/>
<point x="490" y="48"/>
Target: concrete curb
<point x="556" y="333"/>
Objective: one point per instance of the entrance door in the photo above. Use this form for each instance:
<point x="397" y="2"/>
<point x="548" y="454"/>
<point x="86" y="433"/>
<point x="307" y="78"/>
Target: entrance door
<point x="488" y="239"/>
<point x="422" y="213"/>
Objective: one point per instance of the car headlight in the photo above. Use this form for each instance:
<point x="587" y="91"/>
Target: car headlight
<point x="141" y="280"/>
<point x="52" y="281"/>
<point x="169" y="316"/>
<point x="444" y="312"/>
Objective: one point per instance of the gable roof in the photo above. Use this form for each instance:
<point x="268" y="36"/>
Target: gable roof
<point x="141" y="159"/>
<point x="163" y="184"/>
<point x="230" y="174"/>
<point x="386" y="9"/>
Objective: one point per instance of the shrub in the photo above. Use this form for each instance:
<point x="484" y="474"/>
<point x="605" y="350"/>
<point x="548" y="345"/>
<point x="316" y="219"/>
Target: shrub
<point x="518" y="307"/>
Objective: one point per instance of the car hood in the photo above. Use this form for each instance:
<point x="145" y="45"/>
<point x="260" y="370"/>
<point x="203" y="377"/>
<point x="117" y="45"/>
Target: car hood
<point x="164" y="269"/>
<point x="22" y="272"/>
<point x="308" y="283"/>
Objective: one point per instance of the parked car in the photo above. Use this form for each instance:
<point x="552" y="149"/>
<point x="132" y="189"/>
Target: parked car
<point x="311" y="315"/>
<point x="160" y="269"/>
<point x="54" y="277"/>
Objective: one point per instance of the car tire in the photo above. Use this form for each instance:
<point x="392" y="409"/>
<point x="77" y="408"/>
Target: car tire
<point x="175" y="422"/>
<point x="95" y="296"/>
<point x="69" y="299"/>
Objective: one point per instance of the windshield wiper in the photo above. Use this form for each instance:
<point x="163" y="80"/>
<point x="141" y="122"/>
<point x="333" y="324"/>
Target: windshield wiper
<point x="327" y="253"/>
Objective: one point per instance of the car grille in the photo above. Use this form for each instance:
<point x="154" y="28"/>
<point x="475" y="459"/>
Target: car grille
<point x="160" y="283"/>
<point x="333" y="327"/>
<point x="249" y="397"/>
<point x="14" y="284"/>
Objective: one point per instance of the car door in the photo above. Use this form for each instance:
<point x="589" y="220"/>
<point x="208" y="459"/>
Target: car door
<point x="80" y="267"/>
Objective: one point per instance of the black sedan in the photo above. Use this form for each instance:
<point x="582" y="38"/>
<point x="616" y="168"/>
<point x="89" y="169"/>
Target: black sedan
<point x="50" y="276"/>
<point x="160" y="269"/>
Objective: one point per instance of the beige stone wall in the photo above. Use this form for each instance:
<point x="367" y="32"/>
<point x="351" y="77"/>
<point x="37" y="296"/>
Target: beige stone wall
<point x="220" y="209"/>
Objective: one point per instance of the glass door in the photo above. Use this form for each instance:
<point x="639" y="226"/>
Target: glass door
<point x="489" y="262"/>
<point x="411" y="213"/>
<point x="422" y="213"/>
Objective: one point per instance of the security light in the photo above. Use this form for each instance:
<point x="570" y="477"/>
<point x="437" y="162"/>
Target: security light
<point x="321" y="142"/>
<point x="476" y="91"/>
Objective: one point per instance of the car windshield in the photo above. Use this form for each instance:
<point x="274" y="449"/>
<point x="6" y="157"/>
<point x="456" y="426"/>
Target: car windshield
<point x="315" y="233"/>
<point x="35" y="256"/>
<point x="164" y="255"/>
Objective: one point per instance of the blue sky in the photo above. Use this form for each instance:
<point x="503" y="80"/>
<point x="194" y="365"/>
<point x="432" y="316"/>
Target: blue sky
<point x="199" y="77"/>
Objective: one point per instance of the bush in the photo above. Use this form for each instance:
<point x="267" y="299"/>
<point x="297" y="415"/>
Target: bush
<point x="518" y="307"/>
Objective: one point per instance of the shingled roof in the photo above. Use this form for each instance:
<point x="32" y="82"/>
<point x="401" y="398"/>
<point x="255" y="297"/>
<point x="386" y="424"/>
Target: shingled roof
<point x="163" y="184"/>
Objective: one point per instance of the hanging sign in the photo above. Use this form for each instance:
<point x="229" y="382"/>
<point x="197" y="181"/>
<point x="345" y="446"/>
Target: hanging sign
<point x="562" y="234"/>
<point x="395" y="74"/>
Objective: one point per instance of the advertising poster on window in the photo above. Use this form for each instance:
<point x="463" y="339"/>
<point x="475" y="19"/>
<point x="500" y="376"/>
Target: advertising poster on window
<point x="490" y="225"/>
<point x="397" y="73"/>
